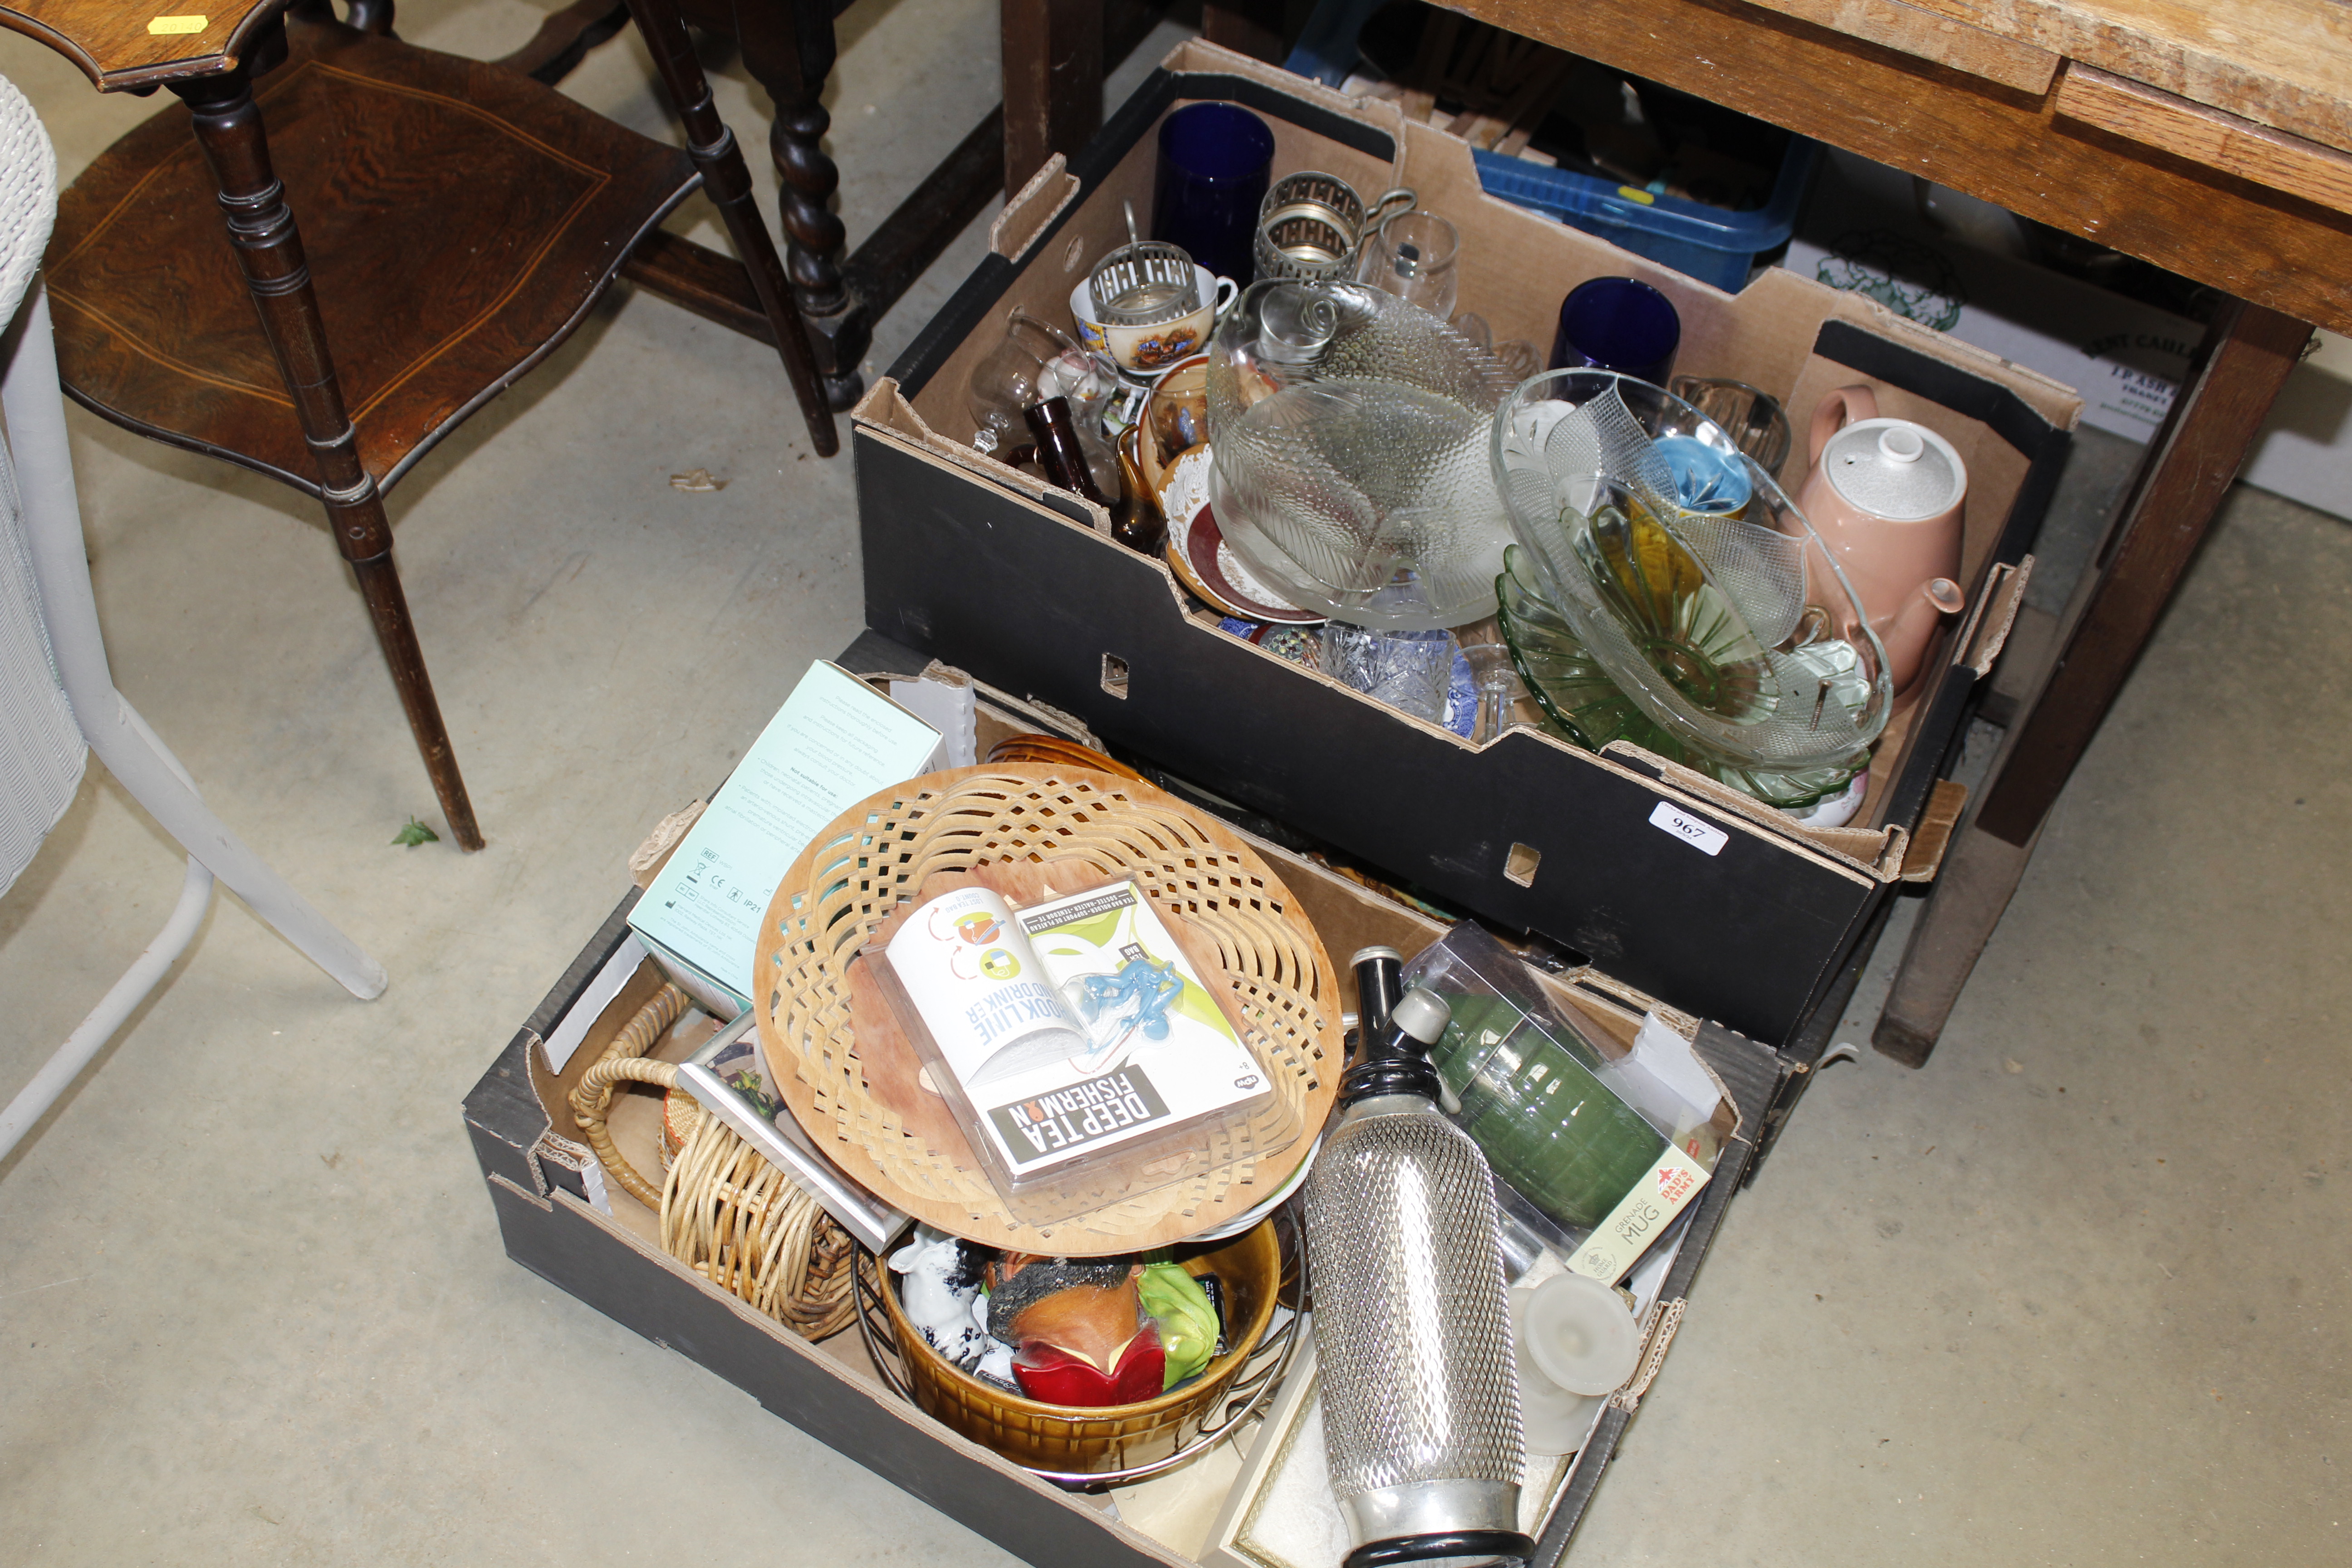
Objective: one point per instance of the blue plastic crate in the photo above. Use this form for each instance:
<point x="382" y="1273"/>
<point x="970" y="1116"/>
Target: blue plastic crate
<point x="1714" y="245"/>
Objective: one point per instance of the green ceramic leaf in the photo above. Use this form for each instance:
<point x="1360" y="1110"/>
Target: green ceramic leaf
<point x="1187" y="1319"/>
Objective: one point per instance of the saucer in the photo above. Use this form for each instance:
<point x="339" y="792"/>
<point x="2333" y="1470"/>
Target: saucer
<point x="1202" y="559"/>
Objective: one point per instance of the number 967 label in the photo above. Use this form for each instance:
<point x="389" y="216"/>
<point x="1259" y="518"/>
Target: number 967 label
<point x="1702" y="836"/>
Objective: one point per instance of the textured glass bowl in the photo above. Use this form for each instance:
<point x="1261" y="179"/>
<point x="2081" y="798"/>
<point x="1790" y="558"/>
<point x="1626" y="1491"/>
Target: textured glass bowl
<point x="1710" y="624"/>
<point x="1352" y="433"/>
<point x="1584" y="705"/>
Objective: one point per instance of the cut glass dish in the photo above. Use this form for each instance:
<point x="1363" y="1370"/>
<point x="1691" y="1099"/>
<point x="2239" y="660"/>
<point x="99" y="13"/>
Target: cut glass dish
<point x="1350" y="433"/>
<point x="1581" y="704"/>
<point x="1711" y="623"/>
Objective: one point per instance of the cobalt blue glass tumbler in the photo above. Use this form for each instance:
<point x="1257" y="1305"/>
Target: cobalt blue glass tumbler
<point x="1621" y="325"/>
<point x="1215" y="160"/>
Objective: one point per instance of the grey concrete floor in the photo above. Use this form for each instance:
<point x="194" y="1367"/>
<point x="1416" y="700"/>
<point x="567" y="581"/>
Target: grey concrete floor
<point x="2076" y="1293"/>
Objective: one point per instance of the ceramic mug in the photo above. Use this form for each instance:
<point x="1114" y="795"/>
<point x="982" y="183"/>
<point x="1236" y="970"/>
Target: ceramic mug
<point x="1150" y="349"/>
<point x="1886" y="498"/>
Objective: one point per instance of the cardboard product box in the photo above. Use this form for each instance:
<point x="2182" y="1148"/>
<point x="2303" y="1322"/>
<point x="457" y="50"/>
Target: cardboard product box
<point x="1862" y="228"/>
<point x="559" y="1219"/>
<point x="1671" y="881"/>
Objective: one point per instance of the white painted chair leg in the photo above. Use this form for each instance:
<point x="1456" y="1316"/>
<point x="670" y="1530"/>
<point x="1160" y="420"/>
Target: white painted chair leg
<point x="131" y="750"/>
<point x="32" y="1101"/>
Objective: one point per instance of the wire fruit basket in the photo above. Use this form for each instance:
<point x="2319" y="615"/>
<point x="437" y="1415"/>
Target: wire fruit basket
<point x="1117" y="1444"/>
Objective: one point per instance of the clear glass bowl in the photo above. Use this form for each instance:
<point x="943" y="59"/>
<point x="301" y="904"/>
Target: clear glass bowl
<point x="1581" y="704"/>
<point x="1351" y="432"/>
<point x="1712" y="623"/>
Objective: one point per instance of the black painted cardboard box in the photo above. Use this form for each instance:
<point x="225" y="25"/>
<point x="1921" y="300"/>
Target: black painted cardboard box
<point x="977" y="564"/>
<point x="603" y="1247"/>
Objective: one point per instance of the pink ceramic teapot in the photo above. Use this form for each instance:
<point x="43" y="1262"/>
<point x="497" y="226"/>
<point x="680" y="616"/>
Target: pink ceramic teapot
<point x="1886" y="496"/>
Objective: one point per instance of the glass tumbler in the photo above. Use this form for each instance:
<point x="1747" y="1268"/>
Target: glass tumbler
<point x="1412" y="256"/>
<point x="1411" y="671"/>
<point x="1215" y="160"/>
<point x="1621" y="325"/>
<point x="1755" y="420"/>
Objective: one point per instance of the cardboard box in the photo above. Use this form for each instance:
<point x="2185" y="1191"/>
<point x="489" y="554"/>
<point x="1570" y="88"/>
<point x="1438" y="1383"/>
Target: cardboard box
<point x="973" y="562"/>
<point x="601" y="1245"/>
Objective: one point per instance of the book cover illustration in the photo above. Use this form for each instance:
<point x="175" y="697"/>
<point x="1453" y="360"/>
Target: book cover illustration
<point x="1157" y="1051"/>
<point x="1123" y="977"/>
<point x="738" y="1065"/>
<point x="987" y="1004"/>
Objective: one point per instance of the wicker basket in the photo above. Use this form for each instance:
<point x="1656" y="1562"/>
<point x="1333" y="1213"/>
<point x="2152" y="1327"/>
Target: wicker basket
<point x="1014" y="818"/>
<point x="726" y="1212"/>
<point x="1051" y="751"/>
<point x="1063" y="1442"/>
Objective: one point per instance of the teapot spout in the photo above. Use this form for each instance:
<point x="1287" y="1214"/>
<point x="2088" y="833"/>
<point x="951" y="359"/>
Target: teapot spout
<point x="1907" y="633"/>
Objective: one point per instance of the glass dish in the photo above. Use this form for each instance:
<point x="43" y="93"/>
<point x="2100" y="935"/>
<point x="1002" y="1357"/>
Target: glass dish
<point x="1706" y="620"/>
<point x="1411" y="671"/>
<point x="1350" y="431"/>
<point x="1582" y="705"/>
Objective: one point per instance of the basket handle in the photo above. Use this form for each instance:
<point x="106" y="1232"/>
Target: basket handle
<point x="590" y="1113"/>
<point x="592" y="1098"/>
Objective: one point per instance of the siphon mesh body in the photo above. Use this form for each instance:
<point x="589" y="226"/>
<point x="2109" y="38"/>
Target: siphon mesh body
<point x="1411" y="1326"/>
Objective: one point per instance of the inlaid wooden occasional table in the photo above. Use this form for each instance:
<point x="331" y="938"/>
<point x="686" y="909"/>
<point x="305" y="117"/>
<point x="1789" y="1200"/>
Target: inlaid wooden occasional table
<point x="463" y="218"/>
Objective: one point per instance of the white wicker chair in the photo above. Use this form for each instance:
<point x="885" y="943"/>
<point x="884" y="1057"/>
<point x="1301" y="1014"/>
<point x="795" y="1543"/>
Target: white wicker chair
<point x="58" y="699"/>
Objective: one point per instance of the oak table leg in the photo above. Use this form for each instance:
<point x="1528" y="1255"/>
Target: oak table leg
<point x="727" y="182"/>
<point x="2244" y="360"/>
<point x="1053" y="66"/>
<point x="270" y="248"/>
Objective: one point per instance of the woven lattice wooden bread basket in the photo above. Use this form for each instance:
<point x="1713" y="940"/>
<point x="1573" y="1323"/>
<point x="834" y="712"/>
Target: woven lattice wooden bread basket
<point x="1033" y="829"/>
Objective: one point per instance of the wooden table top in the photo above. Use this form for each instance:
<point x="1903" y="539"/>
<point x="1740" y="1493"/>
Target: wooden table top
<point x="2287" y="64"/>
<point x="120" y="45"/>
<point x="2206" y="138"/>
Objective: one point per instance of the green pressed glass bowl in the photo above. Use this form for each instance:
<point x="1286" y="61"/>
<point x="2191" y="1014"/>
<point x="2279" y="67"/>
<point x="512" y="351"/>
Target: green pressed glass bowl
<point x="1581" y="704"/>
<point x="1714" y="622"/>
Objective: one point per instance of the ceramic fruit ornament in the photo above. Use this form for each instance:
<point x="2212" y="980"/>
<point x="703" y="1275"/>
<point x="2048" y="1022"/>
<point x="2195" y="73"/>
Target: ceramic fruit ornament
<point x="1079" y="1331"/>
<point x="1187" y="1319"/>
<point x="1102" y="1332"/>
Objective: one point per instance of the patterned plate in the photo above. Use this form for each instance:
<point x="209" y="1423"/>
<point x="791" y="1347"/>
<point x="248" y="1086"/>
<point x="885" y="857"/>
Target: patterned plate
<point x="1202" y="559"/>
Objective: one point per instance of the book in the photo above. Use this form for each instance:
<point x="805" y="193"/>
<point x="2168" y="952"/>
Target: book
<point x="962" y="966"/>
<point x="1081" y="1051"/>
<point x="1152" y="1029"/>
<point x="834" y="742"/>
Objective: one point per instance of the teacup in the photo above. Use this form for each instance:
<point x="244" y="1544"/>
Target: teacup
<point x="1150" y="349"/>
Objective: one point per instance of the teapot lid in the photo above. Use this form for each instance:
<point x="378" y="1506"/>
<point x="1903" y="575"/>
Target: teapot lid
<point x="1894" y="469"/>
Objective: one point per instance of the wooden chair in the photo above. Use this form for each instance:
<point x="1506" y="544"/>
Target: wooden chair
<point x="463" y="217"/>
<point x="1055" y="55"/>
<point x="788" y="48"/>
